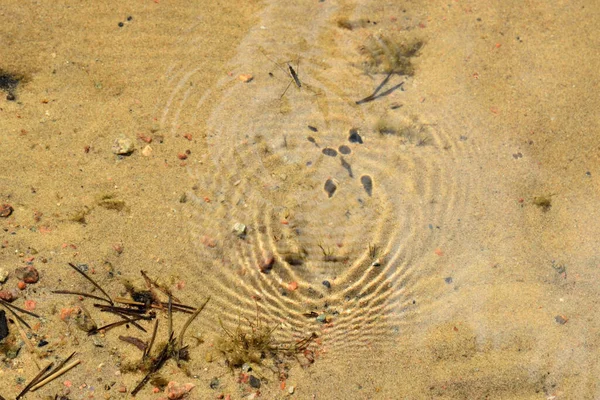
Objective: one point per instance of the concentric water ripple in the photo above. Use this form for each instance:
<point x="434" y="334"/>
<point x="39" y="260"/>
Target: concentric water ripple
<point x="342" y="203"/>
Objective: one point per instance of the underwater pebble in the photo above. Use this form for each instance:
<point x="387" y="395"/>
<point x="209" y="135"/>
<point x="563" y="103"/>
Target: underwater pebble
<point x="312" y="128"/>
<point x="3" y="275"/>
<point x="239" y="229"/>
<point x="322" y="318"/>
<point x="291" y="389"/>
<point x="27" y="274"/>
<point x="246" y="367"/>
<point x="7" y="295"/>
<point x="176" y="391"/>
<point x="83" y="319"/>
<point x="3" y="325"/>
<point x="354" y="136"/>
<point x="561" y="319"/>
<point x="123" y="146"/>
<point x="246" y="78"/>
<point x="330" y="187"/>
<point x="327" y="284"/>
<point x="214" y="383"/>
<point x="254" y="382"/>
<point x="5" y="210"/>
<point x="147" y="151"/>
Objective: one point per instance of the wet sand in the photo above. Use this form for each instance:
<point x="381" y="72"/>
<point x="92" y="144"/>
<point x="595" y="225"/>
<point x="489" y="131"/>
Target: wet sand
<point x="481" y="292"/>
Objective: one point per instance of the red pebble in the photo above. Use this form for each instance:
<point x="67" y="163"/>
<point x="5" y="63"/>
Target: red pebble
<point x="27" y="274"/>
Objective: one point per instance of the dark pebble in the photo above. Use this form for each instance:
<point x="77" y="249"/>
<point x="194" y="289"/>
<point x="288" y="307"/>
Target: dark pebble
<point x="328" y="151"/>
<point x="5" y="210"/>
<point x="3" y="325"/>
<point x="312" y="128"/>
<point x="129" y="18"/>
<point x="27" y="274"/>
<point x="448" y="280"/>
<point x="354" y="136"/>
<point x="254" y="382"/>
<point x="344" y="149"/>
<point x="11" y="97"/>
<point x="560" y="319"/>
<point x="42" y="343"/>
<point x="215" y="383"/>
<point x="367" y="183"/>
<point x="330" y="187"/>
<point x="312" y="140"/>
<point x="327" y="284"/>
<point x="121" y="24"/>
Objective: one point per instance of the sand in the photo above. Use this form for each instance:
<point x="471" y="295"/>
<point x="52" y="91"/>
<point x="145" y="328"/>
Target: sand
<point x="450" y="280"/>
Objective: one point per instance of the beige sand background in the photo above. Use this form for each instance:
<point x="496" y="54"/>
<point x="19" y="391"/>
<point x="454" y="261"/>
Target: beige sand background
<point x="513" y="87"/>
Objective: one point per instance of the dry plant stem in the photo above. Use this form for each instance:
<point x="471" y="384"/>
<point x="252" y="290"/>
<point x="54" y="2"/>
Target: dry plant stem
<point x="55" y="375"/>
<point x="34" y="380"/>
<point x="170" y="314"/>
<point x="91" y="296"/>
<point x="176" y="306"/>
<point x="189" y="321"/>
<point x="27" y="342"/>
<point x="13" y="307"/>
<point x="92" y="282"/>
<point x="149" y="347"/>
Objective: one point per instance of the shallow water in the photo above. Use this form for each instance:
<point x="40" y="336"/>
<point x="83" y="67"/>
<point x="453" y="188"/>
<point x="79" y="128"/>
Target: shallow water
<point x="446" y="278"/>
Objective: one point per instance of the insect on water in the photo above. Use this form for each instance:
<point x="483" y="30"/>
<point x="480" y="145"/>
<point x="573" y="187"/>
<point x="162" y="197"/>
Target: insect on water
<point x="291" y="72"/>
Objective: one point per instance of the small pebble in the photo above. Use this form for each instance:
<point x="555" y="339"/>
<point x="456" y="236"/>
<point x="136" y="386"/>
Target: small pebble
<point x="239" y="229"/>
<point x="291" y="389"/>
<point x="5" y="210"/>
<point x="21" y="285"/>
<point x="254" y="382"/>
<point x="176" y="391"/>
<point x="448" y="280"/>
<point x="7" y="295"/>
<point x="3" y="275"/>
<point x="246" y="78"/>
<point x="330" y="187"/>
<point x="214" y="383"/>
<point x="27" y="274"/>
<point x="322" y="318"/>
<point x="354" y="136"/>
<point x="147" y="151"/>
<point x="312" y="128"/>
<point x="561" y="319"/>
<point x="123" y="146"/>
<point x="327" y="284"/>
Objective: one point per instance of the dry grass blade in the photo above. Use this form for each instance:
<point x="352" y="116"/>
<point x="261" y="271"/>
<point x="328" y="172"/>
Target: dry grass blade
<point x="149" y="347"/>
<point x="91" y="296"/>
<point x="91" y="281"/>
<point x="8" y="305"/>
<point x="55" y="375"/>
<point x="34" y="380"/>
<point x="114" y="325"/>
<point x="189" y="321"/>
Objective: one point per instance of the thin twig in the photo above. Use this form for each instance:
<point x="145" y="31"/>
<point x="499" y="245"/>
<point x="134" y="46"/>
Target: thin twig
<point x="91" y="296"/>
<point x="7" y="304"/>
<point x="149" y="347"/>
<point x="34" y="380"/>
<point x="55" y="375"/>
<point x="190" y="320"/>
<point x="92" y="281"/>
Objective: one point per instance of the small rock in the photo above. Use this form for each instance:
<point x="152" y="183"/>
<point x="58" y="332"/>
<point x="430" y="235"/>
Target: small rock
<point x="3" y="275"/>
<point x="215" y="383"/>
<point x="7" y="295"/>
<point x="246" y="78"/>
<point x="327" y="284"/>
<point x="27" y="274"/>
<point x="3" y="325"/>
<point x="208" y="241"/>
<point x="83" y="319"/>
<point x="267" y="263"/>
<point x="322" y="318"/>
<point x="5" y="210"/>
<point x="355" y="136"/>
<point x="561" y="319"/>
<point x="123" y="146"/>
<point x="246" y="367"/>
<point x="122" y="389"/>
<point x="239" y="229"/>
<point x="176" y="391"/>
<point x="147" y="151"/>
<point x="254" y="382"/>
<point x="448" y="280"/>
<point x="291" y="389"/>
